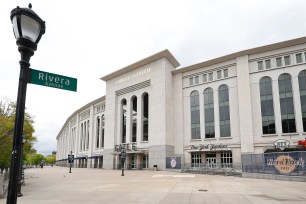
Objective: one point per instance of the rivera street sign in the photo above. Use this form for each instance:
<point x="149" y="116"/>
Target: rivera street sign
<point x="52" y="80"/>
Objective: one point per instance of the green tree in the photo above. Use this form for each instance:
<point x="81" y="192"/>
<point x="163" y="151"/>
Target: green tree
<point x="35" y="159"/>
<point x="7" y="123"/>
<point x="51" y="159"/>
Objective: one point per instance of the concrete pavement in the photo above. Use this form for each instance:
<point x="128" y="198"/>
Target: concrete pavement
<point x="91" y="186"/>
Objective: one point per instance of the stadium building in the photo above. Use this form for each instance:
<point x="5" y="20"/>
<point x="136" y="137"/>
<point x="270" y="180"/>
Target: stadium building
<point x="210" y="113"/>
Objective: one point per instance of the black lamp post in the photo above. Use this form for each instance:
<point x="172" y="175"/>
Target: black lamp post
<point x="19" y="194"/>
<point x="122" y="156"/>
<point x="28" y="28"/>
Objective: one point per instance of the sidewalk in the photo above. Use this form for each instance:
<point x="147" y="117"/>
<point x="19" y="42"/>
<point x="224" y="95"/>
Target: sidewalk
<point x="95" y="186"/>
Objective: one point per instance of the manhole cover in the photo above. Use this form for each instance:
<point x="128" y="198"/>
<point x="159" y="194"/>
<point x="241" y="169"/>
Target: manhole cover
<point x="203" y="190"/>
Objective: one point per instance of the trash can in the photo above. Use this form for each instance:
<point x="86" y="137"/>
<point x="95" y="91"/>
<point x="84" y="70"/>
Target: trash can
<point x="155" y="167"/>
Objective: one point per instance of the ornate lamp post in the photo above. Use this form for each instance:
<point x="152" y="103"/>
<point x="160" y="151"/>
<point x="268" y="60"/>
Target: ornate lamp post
<point x="21" y="172"/>
<point x="28" y="28"/>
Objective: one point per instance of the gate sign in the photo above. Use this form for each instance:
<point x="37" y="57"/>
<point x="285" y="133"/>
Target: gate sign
<point x="52" y="80"/>
<point x="70" y="158"/>
<point x="281" y="144"/>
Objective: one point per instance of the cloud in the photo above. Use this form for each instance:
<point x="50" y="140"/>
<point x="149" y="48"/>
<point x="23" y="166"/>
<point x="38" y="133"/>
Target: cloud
<point x="89" y="40"/>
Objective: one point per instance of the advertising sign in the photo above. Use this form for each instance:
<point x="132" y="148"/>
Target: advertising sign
<point x="70" y="158"/>
<point x="281" y="144"/>
<point x="173" y="163"/>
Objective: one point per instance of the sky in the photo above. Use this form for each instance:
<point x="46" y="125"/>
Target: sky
<point x="90" y="39"/>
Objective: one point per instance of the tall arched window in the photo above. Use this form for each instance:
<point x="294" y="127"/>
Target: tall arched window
<point x="81" y="137"/>
<point x="224" y="111"/>
<point x="195" y="115"/>
<point x="302" y="85"/>
<point x="102" y="130"/>
<point x="87" y="134"/>
<point x="267" y="109"/>
<point x="145" y="117"/>
<point x="98" y="132"/>
<point x="123" y="110"/>
<point x="209" y="113"/>
<point x="286" y="103"/>
<point x="134" y="119"/>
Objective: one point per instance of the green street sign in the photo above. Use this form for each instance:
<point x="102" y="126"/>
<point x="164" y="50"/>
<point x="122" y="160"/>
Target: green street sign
<point x="52" y="80"/>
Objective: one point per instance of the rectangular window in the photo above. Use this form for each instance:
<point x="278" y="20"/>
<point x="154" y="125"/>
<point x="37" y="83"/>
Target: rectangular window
<point x="204" y="78"/>
<point x="260" y="65"/>
<point x="219" y="74"/>
<point x="225" y="73"/>
<point x="191" y="81"/>
<point x="196" y="80"/>
<point x="195" y="159"/>
<point x="268" y="64"/>
<point x="287" y="60"/>
<point x="298" y="58"/>
<point x="210" y="76"/>
<point x="278" y="62"/>
<point x="226" y="159"/>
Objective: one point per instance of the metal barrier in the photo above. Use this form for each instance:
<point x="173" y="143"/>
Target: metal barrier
<point x="280" y="163"/>
<point x="215" y="169"/>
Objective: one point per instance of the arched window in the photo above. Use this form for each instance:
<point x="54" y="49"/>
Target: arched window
<point x="102" y="130"/>
<point x="98" y="132"/>
<point x="224" y="111"/>
<point x="209" y="113"/>
<point x="134" y="119"/>
<point x="195" y="115"/>
<point x="302" y="85"/>
<point x="123" y="111"/>
<point x="87" y="133"/>
<point x="286" y="103"/>
<point x="267" y="109"/>
<point x="145" y="117"/>
<point x="81" y="137"/>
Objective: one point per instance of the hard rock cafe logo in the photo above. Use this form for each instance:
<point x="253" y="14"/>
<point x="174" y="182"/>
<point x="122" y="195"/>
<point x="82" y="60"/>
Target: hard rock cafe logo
<point x="285" y="164"/>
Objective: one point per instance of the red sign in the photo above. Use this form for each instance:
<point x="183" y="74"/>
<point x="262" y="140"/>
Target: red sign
<point x="302" y="142"/>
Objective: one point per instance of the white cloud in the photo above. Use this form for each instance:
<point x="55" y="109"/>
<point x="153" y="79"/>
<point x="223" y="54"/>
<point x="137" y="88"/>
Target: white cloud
<point x="88" y="40"/>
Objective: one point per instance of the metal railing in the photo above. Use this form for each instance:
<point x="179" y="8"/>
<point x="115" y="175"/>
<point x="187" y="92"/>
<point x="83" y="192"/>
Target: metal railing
<point x="214" y="169"/>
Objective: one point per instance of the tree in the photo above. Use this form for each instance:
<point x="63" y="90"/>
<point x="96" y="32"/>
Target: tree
<point x="35" y="159"/>
<point x="51" y="159"/>
<point x="7" y="123"/>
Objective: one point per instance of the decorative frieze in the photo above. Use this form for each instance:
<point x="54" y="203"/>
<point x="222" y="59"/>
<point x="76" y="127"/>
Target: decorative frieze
<point x="85" y="115"/>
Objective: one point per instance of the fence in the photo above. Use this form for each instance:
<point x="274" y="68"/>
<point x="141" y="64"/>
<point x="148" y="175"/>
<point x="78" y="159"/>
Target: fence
<point x="281" y="163"/>
<point x="221" y="169"/>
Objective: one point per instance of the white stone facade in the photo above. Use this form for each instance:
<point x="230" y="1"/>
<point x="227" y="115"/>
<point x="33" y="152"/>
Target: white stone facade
<point x="169" y="111"/>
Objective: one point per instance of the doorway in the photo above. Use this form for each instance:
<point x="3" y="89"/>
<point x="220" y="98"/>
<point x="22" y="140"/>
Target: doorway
<point x="211" y="160"/>
<point x="133" y="161"/>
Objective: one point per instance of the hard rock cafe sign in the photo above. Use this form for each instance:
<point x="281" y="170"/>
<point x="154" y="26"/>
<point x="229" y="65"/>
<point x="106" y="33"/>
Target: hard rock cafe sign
<point x="285" y="164"/>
